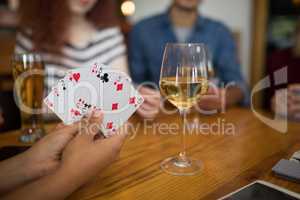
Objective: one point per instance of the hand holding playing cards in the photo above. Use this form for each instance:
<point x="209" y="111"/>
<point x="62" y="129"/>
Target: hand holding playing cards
<point x="45" y="155"/>
<point x="40" y="160"/>
<point x="90" y="156"/>
<point x="83" y="157"/>
<point x="150" y="108"/>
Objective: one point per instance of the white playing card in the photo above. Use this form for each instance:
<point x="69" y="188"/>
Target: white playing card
<point x="59" y="98"/>
<point x="96" y="87"/>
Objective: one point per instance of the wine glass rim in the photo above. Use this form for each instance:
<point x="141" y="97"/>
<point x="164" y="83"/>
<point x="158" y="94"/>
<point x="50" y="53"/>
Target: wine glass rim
<point x="185" y="44"/>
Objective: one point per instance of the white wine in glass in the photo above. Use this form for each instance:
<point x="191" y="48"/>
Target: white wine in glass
<point x="183" y="80"/>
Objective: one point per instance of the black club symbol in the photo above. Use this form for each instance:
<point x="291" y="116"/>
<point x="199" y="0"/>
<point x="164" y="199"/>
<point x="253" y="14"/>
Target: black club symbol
<point x="87" y="105"/>
<point x="104" y="78"/>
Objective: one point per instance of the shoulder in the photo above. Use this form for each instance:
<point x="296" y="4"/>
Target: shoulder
<point x="24" y="40"/>
<point x="24" y="34"/>
<point x="108" y="31"/>
<point x="148" y="23"/>
<point x="215" y="25"/>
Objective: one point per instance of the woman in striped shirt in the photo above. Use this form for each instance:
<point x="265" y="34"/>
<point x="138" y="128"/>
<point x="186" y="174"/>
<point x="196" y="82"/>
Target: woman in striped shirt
<point x="71" y="34"/>
<point x="77" y="33"/>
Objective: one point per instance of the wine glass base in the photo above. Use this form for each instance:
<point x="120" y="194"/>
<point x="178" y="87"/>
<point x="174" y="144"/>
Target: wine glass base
<point x="31" y="135"/>
<point x="175" y="166"/>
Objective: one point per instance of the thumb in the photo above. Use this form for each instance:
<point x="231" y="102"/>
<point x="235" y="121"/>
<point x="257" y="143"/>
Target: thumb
<point x="113" y="143"/>
<point x="92" y="125"/>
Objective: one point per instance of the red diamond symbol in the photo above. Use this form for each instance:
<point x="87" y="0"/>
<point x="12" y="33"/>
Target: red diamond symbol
<point x="109" y="125"/>
<point x="131" y="100"/>
<point x="114" y="106"/>
<point x="119" y="86"/>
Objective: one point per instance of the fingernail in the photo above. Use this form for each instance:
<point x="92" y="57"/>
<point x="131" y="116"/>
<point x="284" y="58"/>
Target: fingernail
<point x="97" y="113"/>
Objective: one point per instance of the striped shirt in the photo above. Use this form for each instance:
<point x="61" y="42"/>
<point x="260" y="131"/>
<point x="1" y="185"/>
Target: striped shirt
<point x="106" y="47"/>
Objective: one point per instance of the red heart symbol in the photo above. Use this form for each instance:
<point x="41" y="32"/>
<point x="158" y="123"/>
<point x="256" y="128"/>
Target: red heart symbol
<point x="76" y="76"/>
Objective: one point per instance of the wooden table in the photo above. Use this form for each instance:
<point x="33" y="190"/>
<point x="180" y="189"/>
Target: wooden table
<point x="230" y="161"/>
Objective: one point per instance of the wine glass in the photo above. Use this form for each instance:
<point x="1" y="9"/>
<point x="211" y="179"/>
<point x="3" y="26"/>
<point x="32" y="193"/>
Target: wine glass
<point x="183" y="80"/>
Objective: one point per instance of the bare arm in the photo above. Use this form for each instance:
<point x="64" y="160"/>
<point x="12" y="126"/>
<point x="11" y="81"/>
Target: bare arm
<point x="15" y="172"/>
<point x="82" y="159"/>
<point x="54" y="186"/>
<point x="40" y="160"/>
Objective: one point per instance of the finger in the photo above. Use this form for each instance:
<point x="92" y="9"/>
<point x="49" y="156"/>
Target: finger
<point x="149" y="91"/>
<point x="114" y="143"/>
<point x="146" y="114"/>
<point x="59" y="126"/>
<point x="149" y="107"/>
<point x="64" y="135"/>
<point x="212" y="91"/>
<point x="71" y="130"/>
<point x="153" y="101"/>
<point x="153" y="93"/>
<point x="91" y="126"/>
<point x="108" y="149"/>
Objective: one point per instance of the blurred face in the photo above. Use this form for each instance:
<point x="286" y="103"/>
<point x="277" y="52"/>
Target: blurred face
<point x="187" y="4"/>
<point x="81" y="6"/>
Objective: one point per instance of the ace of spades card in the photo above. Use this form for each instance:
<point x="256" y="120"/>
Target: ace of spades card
<point x="97" y="87"/>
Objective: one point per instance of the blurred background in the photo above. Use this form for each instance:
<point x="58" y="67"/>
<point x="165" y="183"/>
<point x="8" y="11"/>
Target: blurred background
<point x="260" y="28"/>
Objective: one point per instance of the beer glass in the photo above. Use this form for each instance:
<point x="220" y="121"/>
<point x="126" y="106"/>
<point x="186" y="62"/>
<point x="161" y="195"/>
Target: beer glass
<point x="28" y="72"/>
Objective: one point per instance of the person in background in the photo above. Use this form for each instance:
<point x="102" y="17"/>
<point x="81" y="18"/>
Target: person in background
<point x="289" y="58"/>
<point x="74" y="33"/>
<point x="71" y="34"/>
<point x="182" y="23"/>
<point x="47" y="170"/>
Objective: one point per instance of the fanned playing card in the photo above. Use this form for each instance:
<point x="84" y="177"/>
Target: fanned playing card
<point x="97" y="87"/>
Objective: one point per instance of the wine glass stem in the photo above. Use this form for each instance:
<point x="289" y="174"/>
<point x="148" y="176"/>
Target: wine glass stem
<point x="182" y="154"/>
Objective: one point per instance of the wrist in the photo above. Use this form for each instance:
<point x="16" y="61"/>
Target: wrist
<point x="19" y="167"/>
<point x="35" y="167"/>
<point x="31" y="170"/>
<point x="71" y="175"/>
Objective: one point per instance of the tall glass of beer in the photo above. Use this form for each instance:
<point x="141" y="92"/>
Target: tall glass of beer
<point x="28" y="72"/>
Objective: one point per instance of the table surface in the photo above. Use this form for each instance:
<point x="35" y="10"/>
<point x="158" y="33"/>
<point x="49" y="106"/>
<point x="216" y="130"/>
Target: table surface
<point x="242" y="150"/>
